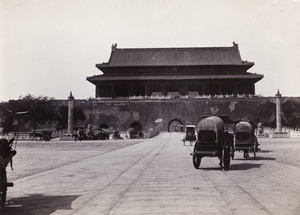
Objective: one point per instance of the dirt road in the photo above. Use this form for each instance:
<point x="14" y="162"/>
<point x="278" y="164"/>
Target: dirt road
<point x="154" y="176"/>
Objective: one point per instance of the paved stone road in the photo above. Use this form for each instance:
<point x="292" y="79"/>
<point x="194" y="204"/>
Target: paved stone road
<point x="156" y="176"/>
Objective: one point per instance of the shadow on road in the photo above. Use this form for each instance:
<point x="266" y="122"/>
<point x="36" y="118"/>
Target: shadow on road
<point x="265" y="158"/>
<point x="254" y="159"/>
<point x="211" y="168"/>
<point x="243" y="166"/>
<point x="234" y="167"/>
<point x="265" y="151"/>
<point x="38" y="204"/>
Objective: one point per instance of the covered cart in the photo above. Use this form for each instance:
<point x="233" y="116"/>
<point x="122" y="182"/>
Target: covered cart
<point x="190" y="134"/>
<point x="245" y="139"/>
<point x="213" y="142"/>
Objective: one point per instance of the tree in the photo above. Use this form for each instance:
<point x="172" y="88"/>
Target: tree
<point x="267" y="114"/>
<point x="41" y="110"/>
<point x="6" y="120"/>
<point x="291" y="114"/>
<point x="62" y="116"/>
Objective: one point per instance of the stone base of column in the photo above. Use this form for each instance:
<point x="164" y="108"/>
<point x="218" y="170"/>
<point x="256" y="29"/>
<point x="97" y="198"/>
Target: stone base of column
<point x="67" y="137"/>
<point x="279" y="134"/>
<point x="263" y="135"/>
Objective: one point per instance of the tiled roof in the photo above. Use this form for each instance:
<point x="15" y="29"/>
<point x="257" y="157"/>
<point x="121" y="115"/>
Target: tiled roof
<point x="174" y="57"/>
<point x="93" y="79"/>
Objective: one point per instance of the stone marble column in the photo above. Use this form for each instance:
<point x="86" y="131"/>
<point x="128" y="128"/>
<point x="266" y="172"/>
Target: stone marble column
<point x="278" y="112"/>
<point x="70" y="113"/>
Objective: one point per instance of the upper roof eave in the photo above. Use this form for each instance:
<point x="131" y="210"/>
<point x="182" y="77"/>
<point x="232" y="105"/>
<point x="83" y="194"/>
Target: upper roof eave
<point x="192" y="56"/>
<point x="102" y="67"/>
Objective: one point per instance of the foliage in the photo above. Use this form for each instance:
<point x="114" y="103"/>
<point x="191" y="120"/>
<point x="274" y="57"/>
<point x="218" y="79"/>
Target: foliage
<point x="62" y="116"/>
<point x="7" y="120"/>
<point x="267" y="114"/>
<point x="291" y="114"/>
<point x="41" y="111"/>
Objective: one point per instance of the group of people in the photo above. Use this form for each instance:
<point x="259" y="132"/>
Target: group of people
<point x="90" y="134"/>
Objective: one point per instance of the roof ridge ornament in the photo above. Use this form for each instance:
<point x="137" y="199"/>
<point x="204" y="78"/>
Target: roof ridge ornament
<point x="114" y="47"/>
<point x="235" y="45"/>
<point x="71" y="96"/>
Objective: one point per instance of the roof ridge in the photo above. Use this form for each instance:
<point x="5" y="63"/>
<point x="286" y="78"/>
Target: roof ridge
<point x="175" y="56"/>
<point x="174" y="48"/>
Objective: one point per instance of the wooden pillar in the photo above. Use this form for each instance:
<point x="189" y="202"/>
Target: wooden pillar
<point x="219" y="90"/>
<point x="203" y="86"/>
<point x="236" y="89"/>
<point x="113" y="90"/>
<point x="130" y="90"/>
<point x="186" y="89"/>
<point x="163" y="90"/>
<point x="146" y="90"/>
<point x="97" y="91"/>
<point x="252" y="89"/>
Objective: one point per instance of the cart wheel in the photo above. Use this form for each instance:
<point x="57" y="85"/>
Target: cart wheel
<point x="3" y="188"/>
<point x="226" y="157"/>
<point x="196" y="161"/>
<point x="46" y="138"/>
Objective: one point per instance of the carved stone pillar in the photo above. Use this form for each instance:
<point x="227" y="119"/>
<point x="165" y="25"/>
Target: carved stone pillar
<point x="70" y="113"/>
<point x="278" y="112"/>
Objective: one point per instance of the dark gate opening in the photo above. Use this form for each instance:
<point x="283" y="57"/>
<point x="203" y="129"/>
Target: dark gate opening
<point x="174" y="125"/>
<point x="135" y="130"/>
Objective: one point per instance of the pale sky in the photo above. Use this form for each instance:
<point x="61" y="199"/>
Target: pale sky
<point x="49" y="47"/>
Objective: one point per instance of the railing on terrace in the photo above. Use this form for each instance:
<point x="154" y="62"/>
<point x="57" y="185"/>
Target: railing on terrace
<point x="150" y="97"/>
<point x="198" y="96"/>
<point x="20" y="136"/>
<point x="27" y="135"/>
<point x="204" y="96"/>
<point x="289" y="130"/>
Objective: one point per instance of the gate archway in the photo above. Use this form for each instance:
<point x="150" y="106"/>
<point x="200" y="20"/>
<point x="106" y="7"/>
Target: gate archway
<point x="174" y="125"/>
<point x="135" y="130"/>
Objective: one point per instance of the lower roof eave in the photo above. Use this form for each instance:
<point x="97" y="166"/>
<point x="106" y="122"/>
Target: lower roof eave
<point x="94" y="79"/>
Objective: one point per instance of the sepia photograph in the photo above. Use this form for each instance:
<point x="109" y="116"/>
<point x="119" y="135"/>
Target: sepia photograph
<point x="154" y="107"/>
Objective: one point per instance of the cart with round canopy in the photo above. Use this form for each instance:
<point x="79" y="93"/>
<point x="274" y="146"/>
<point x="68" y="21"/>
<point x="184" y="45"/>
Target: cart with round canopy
<point x="245" y="139"/>
<point x="212" y="141"/>
<point x="190" y="134"/>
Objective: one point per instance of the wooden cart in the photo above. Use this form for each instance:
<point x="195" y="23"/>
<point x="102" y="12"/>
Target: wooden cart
<point x="213" y="142"/>
<point x="245" y="139"/>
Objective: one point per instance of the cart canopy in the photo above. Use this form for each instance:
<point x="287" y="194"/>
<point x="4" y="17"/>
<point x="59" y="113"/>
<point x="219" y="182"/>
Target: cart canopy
<point x="212" y="123"/>
<point x="243" y="126"/>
